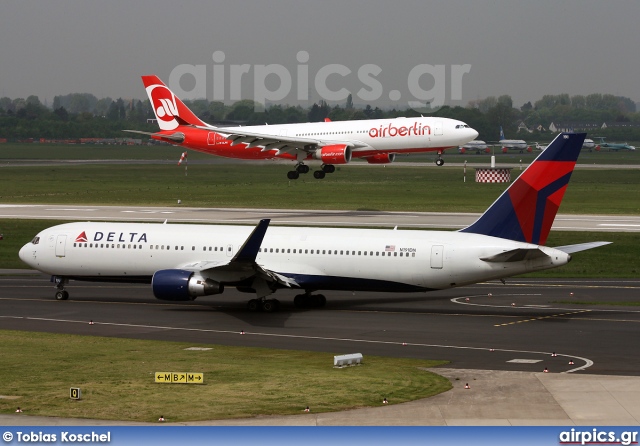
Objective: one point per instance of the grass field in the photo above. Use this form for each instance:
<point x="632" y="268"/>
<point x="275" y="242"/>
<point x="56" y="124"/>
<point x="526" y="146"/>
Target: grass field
<point x="391" y="188"/>
<point x="116" y="377"/>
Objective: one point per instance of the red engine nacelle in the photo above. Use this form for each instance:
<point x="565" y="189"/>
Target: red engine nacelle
<point x="381" y="158"/>
<point x="597" y="148"/>
<point x="529" y="149"/>
<point x="462" y="151"/>
<point x="335" y="154"/>
<point x="505" y="150"/>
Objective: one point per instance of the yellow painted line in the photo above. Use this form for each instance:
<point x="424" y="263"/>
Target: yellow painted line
<point x="542" y="317"/>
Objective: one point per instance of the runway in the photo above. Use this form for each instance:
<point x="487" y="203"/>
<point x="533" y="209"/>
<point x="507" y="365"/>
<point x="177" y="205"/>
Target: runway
<point x="490" y="326"/>
<point x="404" y="220"/>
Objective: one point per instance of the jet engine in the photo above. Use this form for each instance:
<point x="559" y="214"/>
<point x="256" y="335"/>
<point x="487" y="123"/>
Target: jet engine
<point x="334" y="154"/>
<point x="382" y="158"/>
<point x="181" y="285"/>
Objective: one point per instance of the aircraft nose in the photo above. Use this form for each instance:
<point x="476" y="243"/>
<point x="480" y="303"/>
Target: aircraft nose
<point x="25" y="253"/>
<point x="474" y="134"/>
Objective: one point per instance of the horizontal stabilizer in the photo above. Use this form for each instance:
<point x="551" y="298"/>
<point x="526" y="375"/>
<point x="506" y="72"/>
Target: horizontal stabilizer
<point x="177" y="137"/>
<point x="570" y="249"/>
<point x="516" y="255"/>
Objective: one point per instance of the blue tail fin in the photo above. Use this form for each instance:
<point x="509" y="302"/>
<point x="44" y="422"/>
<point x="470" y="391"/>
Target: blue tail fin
<point x="501" y="134"/>
<point x="526" y="210"/>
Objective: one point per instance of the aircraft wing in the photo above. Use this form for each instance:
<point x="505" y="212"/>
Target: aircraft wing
<point x="280" y="142"/>
<point x="243" y="265"/>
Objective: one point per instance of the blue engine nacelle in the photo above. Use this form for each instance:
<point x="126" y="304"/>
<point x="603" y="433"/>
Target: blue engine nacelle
<point x="181" y="285"/>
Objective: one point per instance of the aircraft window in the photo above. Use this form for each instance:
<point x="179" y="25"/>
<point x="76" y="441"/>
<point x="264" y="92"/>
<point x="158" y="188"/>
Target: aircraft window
<point x="377" y="253"/>
<point x="312" y="251"/>
<point x="400" y="254"/>
<point x="102" y="245"/>
<point x="176" y="248"/>
<point x="365" y="253"/>
<point x="294" y="251"/>
<point x="395" y="254"/>
<point x="413" y="254"/>
<point x="341" y="252"/>
<point x="209" y="248"/>
<point x="91" y="246"/>
<point x="359" y="253"/>
<point x="277" y="250"/>
<point x="222" y="249"/>
<point x="323" y="251"/>
<point x="370" y="253"/>
<point x="193" y="248"/>
<point x="335" y="252"/>
<point x="74" y="245"/>
<point x="36" y="240"/>
<point x="289" y="251"/>
<point x="306" y="251"/>
<point x="271" y="250"/>
<point x="182" y="248"/>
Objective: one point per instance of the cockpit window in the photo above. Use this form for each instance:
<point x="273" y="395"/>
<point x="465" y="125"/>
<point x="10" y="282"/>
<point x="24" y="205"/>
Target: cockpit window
<point x="462" y="126"/>
<point x="35" y="240"/>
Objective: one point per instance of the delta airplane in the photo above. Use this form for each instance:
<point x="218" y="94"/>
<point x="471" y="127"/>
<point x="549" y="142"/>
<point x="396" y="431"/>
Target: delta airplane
<point x="513" y="144"/>
<point x="184" y="261"/>
<point x="378" y="141"/>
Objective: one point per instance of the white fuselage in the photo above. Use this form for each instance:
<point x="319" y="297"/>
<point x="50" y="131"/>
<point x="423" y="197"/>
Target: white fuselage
<point x="316" y="258"/>
<point x="395" y="135"/>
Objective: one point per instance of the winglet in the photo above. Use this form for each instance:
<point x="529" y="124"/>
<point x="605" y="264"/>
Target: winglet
<point x="250" y="248"/>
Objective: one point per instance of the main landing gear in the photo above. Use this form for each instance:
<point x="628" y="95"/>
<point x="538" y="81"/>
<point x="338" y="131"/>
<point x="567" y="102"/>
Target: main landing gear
<point x="61" y="294"/>
<point x="266" y="305"/>
<point x="318" y="174"/>
<point x="309" y="300"/>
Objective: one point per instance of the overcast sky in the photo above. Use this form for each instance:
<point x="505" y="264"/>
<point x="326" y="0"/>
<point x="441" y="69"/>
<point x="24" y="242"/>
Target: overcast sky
<point x="523" y="48"/>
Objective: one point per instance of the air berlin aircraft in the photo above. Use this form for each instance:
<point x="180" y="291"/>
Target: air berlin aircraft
<point x="182" y="262"/>
<point x="376" y="140"/>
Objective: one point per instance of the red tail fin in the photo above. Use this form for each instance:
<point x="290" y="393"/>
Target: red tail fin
<point x="167" y="106"/>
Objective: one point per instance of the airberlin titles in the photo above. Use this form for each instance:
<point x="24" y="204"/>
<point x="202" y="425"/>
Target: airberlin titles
<point x="390" y="130"/>
<point x="122" y="237"/>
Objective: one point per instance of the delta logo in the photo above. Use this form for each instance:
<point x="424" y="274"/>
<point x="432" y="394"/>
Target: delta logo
<point x="122" y="237"/>
<point x="390" y="130"/>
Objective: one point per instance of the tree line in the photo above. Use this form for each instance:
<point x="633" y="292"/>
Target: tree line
<point x="80" y="115"/>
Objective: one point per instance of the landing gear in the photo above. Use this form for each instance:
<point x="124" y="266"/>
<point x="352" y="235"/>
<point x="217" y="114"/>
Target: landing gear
<point x="439" y="161"/>
<point x="300" y="169"/>
<point x="266" y="305"/>
<point x="60" y="282"/>
<point x="308" y="300"/>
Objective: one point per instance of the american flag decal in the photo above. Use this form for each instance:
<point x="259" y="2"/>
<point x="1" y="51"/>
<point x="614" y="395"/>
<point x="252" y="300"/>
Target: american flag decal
<point x="390" y="248"/>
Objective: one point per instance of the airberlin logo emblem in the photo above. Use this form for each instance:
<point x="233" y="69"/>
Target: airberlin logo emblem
<point x="390" y="130"/>
<point x="164" y="106"/>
